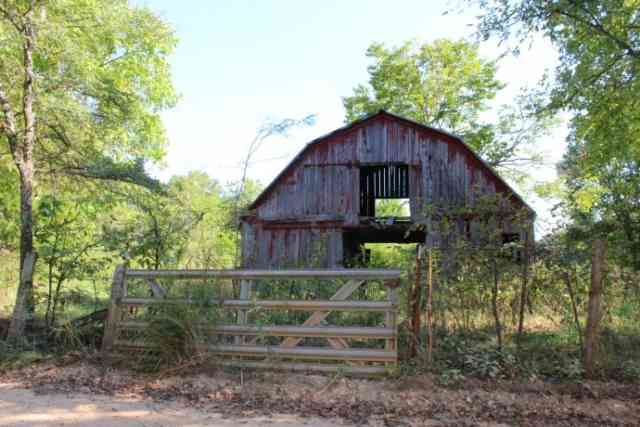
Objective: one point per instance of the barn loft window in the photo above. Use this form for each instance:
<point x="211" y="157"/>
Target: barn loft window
<point x="383" y="182"/>
<point x="512" y="241"/>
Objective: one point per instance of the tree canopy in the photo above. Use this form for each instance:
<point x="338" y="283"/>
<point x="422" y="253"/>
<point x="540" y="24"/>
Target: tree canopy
<point x="81" y="87"/>
<point x="447" y="84"/>
<point x="596" y="82"/>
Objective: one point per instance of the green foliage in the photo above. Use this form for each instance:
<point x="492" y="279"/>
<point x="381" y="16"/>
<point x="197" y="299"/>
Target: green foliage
<point x="631" y="370"/>
<point x="177" y="333"/>
<point x="68" y="241"/>
<point x="448" y="85"/>
<point x="445" y="84"/>
<point x="490" y="363"/>
<point x="158" y="230"/>
<point x="392" y="207"/>
<point x="9" y="206"/>
<point x="101" y="81"/>
<point x="596" y="82"/>
<point x="450" y="377"/>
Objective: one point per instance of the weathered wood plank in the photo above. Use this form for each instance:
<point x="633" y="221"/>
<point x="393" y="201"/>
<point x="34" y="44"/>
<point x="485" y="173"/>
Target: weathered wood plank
<point x="289" y="331"/>
<point x="391" y="321"/>
<point x="245" y="291"/>
<point x="113" y="317"/>
<point x="341" y="273"/>
<point x="343" y="293"/>
<point x="274" y="304"/>
<point x="156" y="289"/>
<point x="306" y="367"/>
<point x="309" y="353"/>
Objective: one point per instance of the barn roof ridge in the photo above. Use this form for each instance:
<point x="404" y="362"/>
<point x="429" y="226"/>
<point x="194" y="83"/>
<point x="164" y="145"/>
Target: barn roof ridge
<point x="372" y="116"/>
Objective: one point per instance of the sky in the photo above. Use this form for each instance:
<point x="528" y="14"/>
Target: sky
<point x="240" y="63"/>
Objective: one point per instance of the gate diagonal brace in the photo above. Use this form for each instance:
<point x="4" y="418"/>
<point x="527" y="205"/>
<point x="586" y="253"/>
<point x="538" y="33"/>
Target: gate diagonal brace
<point x="317" y="317"/>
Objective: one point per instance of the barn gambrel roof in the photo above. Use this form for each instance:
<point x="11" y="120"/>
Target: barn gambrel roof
<point x="382" y="114"/>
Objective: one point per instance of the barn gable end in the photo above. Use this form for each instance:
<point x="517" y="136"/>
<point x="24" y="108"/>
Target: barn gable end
<point x="324" y="197"/>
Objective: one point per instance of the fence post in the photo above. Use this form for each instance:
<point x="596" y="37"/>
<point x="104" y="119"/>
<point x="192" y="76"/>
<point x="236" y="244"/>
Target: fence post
<point x="390" y="316"/>
<point x="245" y="291"/>
<point x="113" y="316"/>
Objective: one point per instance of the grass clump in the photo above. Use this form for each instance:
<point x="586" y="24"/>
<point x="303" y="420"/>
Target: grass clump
<point x="177" y="335"/>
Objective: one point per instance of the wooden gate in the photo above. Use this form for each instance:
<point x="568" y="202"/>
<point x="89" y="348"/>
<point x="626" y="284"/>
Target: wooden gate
<point x="244" y="351"/>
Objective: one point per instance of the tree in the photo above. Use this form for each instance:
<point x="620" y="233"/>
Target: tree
<point x="68" y="241"/>
<point x="447" y="84"/>
<point x="211" y="240"/>
<point x="596" y="82"/>
<point x="151" y="229"/>
<point x="81" y="85"/>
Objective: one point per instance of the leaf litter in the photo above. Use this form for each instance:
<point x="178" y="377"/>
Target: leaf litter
<point x="405" y="401"/>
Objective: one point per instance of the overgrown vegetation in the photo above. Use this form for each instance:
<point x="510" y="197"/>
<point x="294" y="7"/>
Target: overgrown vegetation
<point x="494" y="316"/>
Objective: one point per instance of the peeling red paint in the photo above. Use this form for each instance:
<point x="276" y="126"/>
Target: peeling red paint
<point x="324" y="181"/>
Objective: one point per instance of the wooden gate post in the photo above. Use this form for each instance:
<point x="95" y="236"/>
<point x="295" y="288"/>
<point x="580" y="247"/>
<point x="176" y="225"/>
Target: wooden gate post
<point x="113" y="317"/>
<point x="594" y="310"/>
<point x="391" y="344"/>
<point x="415" y="297"/>
<point x="245" y="292"/>
<point x="429" y="305"/>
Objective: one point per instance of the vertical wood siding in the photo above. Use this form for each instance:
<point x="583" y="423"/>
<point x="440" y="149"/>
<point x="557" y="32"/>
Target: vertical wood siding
<point x="325" y="182"/>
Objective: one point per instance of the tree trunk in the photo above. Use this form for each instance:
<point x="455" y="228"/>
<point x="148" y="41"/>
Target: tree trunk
<point x="594" y="314"/>
<point x="494" y="303"/>
<point x="21" y="310"/>
<point x="523" y="291"/>
<point x="574" y="306"/>
<point x="429" y="306"/>
<point x="47" y="313"/>
<point x="56" y="299"/>
<point x="22" y="152"/>
<point x="24" y="307"/>
<point x="414" y="303"/>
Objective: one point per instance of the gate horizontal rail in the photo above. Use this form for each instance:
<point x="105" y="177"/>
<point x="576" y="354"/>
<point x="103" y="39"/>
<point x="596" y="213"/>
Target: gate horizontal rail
<point x="297" y="305"/>
<point x="284" y="355"/>
<point x="340" y="273"/>
<point x="290" y="331"/>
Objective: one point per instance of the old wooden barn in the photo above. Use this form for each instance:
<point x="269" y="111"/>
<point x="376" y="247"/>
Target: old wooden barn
<point x="322" y="208"/>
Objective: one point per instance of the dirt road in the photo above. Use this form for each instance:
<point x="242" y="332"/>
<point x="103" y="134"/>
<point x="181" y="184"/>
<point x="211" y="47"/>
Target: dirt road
<point x="20" y="408"/>
<point x="91" y="394"/>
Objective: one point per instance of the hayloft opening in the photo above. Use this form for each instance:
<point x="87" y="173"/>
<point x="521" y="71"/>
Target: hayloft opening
<point x="383" y="182"/>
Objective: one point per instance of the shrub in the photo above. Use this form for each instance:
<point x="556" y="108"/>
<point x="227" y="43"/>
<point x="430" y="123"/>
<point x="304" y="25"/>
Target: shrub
<point x="450" y="377"/>
<point x="631" y="370"/>
<point x="176" y="333"/>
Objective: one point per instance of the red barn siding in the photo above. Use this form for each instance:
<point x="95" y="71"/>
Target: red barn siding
<point x="317" y="195"/>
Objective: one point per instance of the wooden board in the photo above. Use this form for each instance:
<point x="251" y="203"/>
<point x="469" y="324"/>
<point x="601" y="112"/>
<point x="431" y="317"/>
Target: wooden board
<point x="340" y="273"/>
<point x="343" y="293"/>
<point x="307" y="367"/>
<point x="360" y="332"/>
<point x="309" y="353"/>
<point x="274" y="304"/>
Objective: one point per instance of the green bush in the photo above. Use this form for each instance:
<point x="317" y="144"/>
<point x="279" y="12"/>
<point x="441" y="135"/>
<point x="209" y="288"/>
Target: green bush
<point x="630" y="370"/>
<point x="450" y="377"/>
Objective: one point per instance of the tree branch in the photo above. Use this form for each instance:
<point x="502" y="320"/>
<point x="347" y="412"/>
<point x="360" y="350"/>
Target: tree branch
<point x="10" y="16"/>
<point x="29" y="114"/>
<point x="597" y="25"/>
